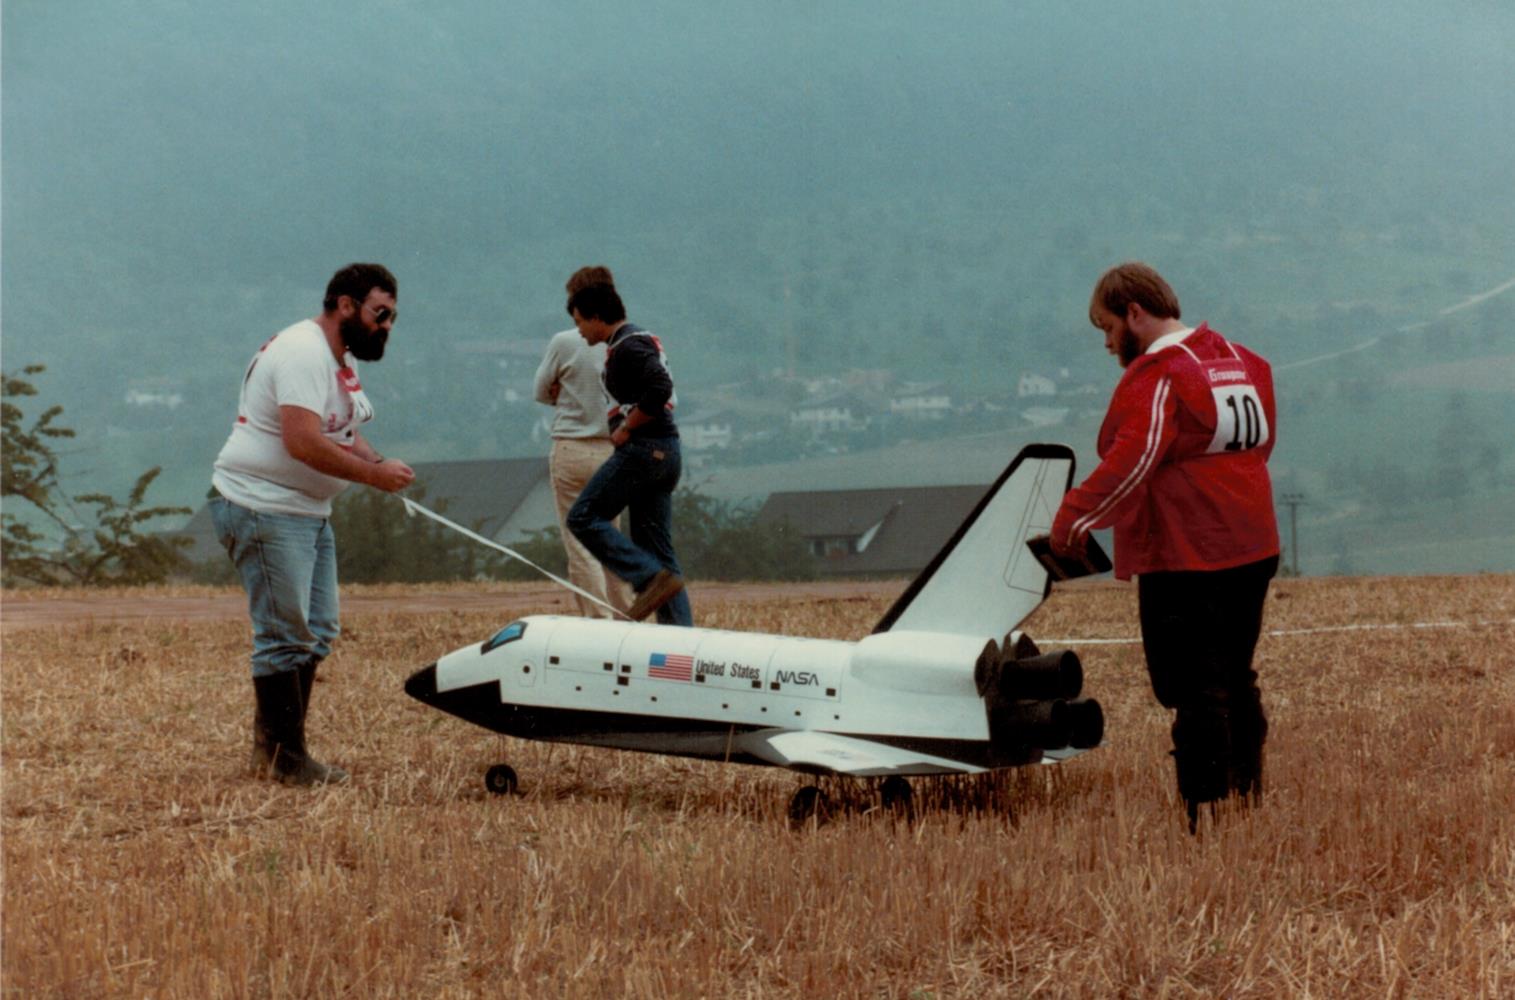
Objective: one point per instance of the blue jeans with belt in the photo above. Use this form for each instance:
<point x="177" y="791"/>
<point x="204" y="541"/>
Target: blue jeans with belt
<point x="288" y="565"/>
<point x="639" y="478"/>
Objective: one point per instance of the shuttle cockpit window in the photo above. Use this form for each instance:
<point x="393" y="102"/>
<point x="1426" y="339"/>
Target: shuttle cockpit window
<point x="510" y="633"/>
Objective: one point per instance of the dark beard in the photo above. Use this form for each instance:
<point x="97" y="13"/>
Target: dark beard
<point x="364" y="344"/>
<point x="1128" y="349"/>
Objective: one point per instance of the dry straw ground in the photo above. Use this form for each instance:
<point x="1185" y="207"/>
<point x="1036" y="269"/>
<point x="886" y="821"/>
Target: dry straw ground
<point x="140" y="862"/>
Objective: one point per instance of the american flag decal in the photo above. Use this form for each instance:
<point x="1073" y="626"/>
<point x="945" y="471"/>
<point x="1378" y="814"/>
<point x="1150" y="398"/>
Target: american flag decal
<point x="670" y="666"/>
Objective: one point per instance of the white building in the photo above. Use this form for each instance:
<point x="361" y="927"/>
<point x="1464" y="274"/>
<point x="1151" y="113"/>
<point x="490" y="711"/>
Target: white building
<point x="711" y="431"/>
<point x="926" y="402"/>
<point x="1032" y="384"/>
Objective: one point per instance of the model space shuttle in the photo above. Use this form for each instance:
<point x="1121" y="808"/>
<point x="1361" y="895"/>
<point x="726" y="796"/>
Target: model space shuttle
<point x="945" y="684"/>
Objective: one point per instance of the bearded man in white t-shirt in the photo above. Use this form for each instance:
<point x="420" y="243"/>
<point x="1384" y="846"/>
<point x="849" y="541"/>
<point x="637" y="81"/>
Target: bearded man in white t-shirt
<point x="295" y="445"/>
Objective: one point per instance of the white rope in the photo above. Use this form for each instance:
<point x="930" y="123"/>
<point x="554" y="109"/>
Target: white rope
<point x="1298" y="631"/>
<point x="412" y="508"/>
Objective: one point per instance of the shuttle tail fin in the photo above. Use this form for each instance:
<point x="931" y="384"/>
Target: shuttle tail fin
<point x="985" y="581"/>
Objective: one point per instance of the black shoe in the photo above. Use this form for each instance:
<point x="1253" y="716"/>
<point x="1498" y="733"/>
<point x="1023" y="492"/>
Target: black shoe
<point x="661" y="589"/>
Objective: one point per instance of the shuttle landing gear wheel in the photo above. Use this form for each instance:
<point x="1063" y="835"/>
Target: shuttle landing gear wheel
<point x="501" y="779"/>
<point x="895" y="794"/>
<point x="807" y="802"/>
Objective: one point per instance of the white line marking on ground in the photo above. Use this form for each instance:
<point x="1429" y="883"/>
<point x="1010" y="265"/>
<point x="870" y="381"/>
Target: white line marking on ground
<point x="1301" y="631"/>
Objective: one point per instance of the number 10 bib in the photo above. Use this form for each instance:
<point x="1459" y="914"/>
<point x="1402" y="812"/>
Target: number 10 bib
<point x="1240" y="423"/>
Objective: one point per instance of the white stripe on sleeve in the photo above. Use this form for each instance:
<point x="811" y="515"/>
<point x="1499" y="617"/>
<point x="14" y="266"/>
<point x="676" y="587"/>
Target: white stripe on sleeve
<point x="1139" y="472"/>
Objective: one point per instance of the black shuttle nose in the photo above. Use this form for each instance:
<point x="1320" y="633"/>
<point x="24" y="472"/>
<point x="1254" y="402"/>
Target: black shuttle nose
<point x="422" y="685"/>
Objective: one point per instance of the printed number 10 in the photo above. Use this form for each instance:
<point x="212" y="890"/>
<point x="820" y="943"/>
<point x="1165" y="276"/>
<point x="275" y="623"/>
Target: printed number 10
<point x="1245" y="413"/>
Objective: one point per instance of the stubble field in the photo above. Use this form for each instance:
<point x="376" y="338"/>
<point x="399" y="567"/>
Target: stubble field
<point x="140" y="860"/>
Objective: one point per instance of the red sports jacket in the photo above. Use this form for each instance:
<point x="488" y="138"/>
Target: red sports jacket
<point x="1183" y="474"/>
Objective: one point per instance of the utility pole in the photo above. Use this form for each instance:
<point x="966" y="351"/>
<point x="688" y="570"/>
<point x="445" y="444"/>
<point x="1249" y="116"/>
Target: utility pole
<point x="1293" y="500"/>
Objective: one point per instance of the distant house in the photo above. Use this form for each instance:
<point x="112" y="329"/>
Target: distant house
<point x="875" y="532"/>
<point x="816" y="385"/>
<point x="839" y="412"/>
<point x="150" y="408"/>
<point x="974" y="406"/>
<point x="154" y="397"/>
<point x="705" y="432"/>
<point x="727" y="417"/>
<point x="1031" y="384"/>
<point x="929" y="401"/>
<point x="502" y="499"/>
<point x="868" y="379"/>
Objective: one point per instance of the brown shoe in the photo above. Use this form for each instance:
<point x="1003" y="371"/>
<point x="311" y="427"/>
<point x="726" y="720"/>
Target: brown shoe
<point x="658" y="592"/>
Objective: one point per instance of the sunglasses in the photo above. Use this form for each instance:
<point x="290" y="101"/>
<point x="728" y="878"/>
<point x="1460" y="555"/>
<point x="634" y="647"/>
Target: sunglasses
<point x="381" y="314"/>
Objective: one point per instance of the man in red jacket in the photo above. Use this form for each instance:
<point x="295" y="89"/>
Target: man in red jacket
<point x="1183" y="480"/>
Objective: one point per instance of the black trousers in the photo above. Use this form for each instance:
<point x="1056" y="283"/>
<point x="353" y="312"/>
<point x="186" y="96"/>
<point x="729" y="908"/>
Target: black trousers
<point x="1199" y="631"/>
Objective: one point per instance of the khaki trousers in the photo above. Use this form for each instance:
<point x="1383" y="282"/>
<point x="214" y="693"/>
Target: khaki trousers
<point x="572" y="462"/>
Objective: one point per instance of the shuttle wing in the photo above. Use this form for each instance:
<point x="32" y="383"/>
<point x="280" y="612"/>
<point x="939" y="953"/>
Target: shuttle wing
<point x="832" y="753"/>
<point x="985" y="581"/>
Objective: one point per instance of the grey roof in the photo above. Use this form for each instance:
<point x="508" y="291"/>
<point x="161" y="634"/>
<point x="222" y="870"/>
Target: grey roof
<point x="913" y="523"/>
<point x="830" y="513"/>
<point x="479" y="493"/>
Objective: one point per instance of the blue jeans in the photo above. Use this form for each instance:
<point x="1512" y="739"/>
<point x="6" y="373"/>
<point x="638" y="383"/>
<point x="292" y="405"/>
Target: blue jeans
<point x="639" y="478"/>
<point x="288" y="565"/>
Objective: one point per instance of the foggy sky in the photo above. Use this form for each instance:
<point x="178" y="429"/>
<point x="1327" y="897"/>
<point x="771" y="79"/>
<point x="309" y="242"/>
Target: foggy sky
<point x="178" y="179"/>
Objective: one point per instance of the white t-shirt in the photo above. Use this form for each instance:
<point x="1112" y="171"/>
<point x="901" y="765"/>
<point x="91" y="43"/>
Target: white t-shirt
<point x="295" y="368"/>
<point x="581" y="406"/>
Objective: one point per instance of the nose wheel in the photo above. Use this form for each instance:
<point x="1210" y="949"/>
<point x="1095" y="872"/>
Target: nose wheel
<point x="501" y="780"/>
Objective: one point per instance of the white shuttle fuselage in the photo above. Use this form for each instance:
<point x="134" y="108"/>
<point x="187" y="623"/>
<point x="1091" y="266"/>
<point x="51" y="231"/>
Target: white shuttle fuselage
<point x="727" y="695"/>
<point x="939" y="687"/>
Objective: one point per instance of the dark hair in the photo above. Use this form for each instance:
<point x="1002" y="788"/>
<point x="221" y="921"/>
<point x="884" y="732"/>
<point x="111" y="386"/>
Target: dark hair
<point x="601" y="302"/>
<point x="1136" y="282"/>
<point x="356" y="281"/>
<point x="595" y="274"/>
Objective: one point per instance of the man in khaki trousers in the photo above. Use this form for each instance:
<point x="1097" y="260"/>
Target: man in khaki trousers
<point x="568" y="380"/>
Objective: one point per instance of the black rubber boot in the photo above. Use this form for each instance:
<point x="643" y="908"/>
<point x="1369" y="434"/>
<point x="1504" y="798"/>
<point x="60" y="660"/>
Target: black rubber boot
<point x="263" y="743"/>
<point x="281" y="709"/>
